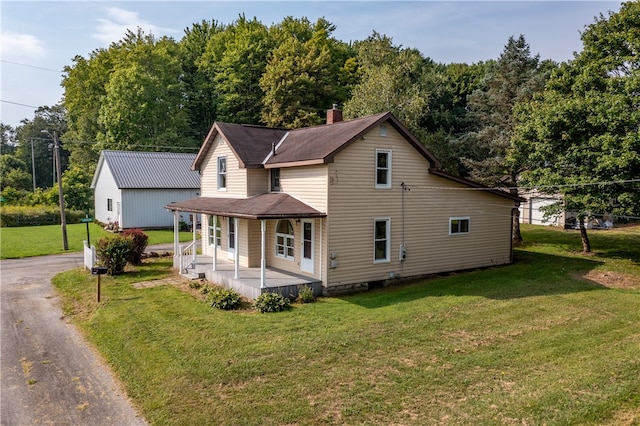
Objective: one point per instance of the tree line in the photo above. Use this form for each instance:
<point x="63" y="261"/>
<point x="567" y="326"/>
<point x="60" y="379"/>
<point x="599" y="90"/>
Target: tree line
<point x="509" y="122"/>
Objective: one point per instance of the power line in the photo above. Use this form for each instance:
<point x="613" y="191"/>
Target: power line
<point x="17" y="103"/>
<point x="29" y="66"/>
<point x="527" y="188"/>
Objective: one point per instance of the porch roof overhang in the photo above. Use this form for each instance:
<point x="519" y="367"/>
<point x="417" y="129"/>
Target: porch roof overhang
<point x="262" y="206"/>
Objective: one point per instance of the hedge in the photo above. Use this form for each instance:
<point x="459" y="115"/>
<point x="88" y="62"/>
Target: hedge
<point x="36" y="215"/>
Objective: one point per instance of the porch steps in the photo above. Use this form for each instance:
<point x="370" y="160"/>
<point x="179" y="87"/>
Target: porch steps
<point x="193" y="275"/>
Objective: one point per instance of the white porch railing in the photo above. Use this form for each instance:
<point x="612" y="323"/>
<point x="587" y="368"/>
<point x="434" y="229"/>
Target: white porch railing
<point x="89" y="256"/>
<point x="187" y="257"/>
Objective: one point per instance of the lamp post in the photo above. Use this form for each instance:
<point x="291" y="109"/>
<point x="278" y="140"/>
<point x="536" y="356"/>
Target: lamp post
<point x="63" y="218"/>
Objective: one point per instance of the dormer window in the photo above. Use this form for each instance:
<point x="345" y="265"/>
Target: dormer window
<point x="383" y="168"/>
<point x="275" y="180"/>
<point x="222" y="173"/>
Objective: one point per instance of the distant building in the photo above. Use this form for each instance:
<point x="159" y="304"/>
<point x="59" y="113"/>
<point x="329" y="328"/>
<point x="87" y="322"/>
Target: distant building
<point x="132" y="188"/>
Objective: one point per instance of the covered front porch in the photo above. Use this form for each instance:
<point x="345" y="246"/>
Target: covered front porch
<point x="246" y="281"/>
<point x="239" y="253"/>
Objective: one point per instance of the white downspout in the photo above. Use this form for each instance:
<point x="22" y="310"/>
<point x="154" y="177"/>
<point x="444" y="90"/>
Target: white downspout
<point x="237" y="252"/>
<point x="321" y="248"/>
<point x="263" y="258"/>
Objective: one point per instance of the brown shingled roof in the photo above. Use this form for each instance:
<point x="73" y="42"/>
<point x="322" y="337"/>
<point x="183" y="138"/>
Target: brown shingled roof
<point x="253" y="145"/>
<point x="263" y="206"/>
<point x="250" y="144"/>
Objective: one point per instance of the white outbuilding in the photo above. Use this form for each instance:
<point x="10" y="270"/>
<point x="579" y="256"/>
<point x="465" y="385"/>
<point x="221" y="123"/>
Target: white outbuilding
<point x="132" y="188"/>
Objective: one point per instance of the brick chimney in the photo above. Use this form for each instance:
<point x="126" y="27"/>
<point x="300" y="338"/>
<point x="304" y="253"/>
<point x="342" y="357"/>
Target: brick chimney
<point x="334" y="115"/>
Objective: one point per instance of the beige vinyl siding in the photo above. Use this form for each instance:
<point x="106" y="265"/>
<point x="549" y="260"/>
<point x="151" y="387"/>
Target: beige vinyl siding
<point x="423" y="224"/>
<point x="257" y="181"/>
<point x="236" y="177"/>
<point x="306" y="183"/>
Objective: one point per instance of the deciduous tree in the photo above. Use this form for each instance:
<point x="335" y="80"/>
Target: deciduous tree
<point x="580" y="137"/>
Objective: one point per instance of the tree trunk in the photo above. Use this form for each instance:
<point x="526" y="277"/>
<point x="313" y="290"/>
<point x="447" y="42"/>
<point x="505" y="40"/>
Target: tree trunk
<point x="516" y="236"/>
<point x="586" y="245"/>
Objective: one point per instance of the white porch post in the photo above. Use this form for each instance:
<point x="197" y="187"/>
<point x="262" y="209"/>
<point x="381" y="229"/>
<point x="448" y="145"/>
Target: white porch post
<point x="215" y="241"/>
<point x="263" y="259"/>
<point x="176" y="233"/>
<point x="194" y="224"/>
<point x="237" y="252"/>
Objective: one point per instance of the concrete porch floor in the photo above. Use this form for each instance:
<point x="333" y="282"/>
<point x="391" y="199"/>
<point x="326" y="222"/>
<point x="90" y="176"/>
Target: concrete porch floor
<point x="248" y="281"/>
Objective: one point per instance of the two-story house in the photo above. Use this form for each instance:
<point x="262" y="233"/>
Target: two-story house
<point x="348" y="204"/>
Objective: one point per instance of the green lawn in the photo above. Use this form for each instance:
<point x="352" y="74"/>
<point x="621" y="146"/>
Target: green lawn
<point x="531" y="343"/>
<point x="30" y="241"/>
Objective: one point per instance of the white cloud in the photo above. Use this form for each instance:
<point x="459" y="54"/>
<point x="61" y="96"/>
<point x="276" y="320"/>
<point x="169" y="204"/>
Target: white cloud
<point x="20" y="45"/>
<point x="114" y="27"/>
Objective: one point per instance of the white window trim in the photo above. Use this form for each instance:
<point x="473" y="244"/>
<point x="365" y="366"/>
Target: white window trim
<point x="285" y="245"/>
<point x="467" y="218"/>
<point x="271" y="187"/>
<point x="387" y="239"/>
<point x="388" y="184"/>
<point x="219" y="174"/>
<point x="214" y="229"/>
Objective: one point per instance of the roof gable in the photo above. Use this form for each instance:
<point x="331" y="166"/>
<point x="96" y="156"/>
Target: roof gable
<point x="149" y="170"/>
<point x="250" y="144"/>
<point x="254" y="146"/>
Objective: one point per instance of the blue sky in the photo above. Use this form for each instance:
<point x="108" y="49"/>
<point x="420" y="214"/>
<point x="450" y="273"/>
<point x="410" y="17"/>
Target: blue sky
<point x="40" y="37"/>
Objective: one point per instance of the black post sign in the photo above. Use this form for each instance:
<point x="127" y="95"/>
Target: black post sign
<point x="87" y="220"/>
<point x="99" y="270"/>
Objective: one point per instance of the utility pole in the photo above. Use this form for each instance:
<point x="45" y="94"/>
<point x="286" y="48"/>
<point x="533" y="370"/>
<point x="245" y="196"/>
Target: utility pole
<point x="63" y="218"/>
<point x="33" y="166"/>
<point x="58" y="169"/>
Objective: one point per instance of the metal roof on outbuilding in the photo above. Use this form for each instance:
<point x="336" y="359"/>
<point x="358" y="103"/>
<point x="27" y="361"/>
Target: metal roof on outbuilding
<point x="149" y="170"/>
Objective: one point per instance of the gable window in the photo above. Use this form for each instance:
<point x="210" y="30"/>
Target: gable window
<point x="383" y="168"/>
<point x="222" y="173"/>
<point x="275" y="180"/>
<point x="381" y="240"/>
<point x="458" y="225"/>
<point x="215" y="231"/>
<point x="284" y="240"/>
<point x="109" y="205"/>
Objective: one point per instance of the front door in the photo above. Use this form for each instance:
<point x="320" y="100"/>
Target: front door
<point x="307" y="246"/>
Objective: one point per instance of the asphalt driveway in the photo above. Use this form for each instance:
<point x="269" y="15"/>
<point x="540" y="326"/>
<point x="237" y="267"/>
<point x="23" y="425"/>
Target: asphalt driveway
<point x="48" y="374"/>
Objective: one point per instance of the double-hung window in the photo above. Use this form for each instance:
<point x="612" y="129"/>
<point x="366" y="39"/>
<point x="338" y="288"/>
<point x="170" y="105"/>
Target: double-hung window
<point x="275" y="180"/>
<point x="109" y="204"/>
<point x="383" y="168"/>
<point x="222" y="173"/>
<point x="285" y="240"/>
<point x="381" y="240"/>
<point x="458" y="225"/>
<point x="215" y="231"/>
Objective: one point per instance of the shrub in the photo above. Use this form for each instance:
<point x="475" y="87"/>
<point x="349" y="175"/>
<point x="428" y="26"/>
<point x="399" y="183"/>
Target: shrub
<point x="22" y="215"/>
<point x="113" y="252"/>
<point x="224" y="299"/>
<point x="139" y="243"/>
<point x="206" y="289"/>
<point x="305" y="294"/>
<point x="271" y="302"/>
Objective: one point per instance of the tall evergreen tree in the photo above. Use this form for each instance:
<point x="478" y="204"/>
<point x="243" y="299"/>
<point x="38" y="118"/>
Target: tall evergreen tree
<point x="517" y="76"/>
